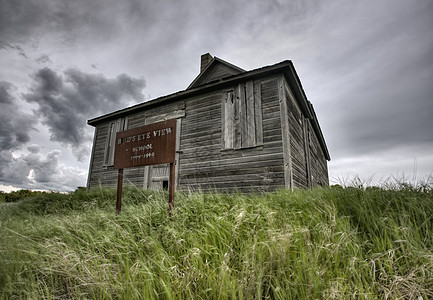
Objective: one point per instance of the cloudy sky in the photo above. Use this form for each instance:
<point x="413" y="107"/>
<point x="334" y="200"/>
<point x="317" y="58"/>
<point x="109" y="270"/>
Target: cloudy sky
<point x="367" y="67"/>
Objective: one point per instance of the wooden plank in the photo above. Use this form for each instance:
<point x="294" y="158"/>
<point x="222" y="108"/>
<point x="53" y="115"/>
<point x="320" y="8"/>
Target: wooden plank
<point x="212" y="108"/>
<point x="250" y="137"/>
<point x="202" y="101"/>
<point x="209" y="125"/>
<point x="112" y="142"/>
<point x="237" y="134"/>
<point x="177" y="156"/>
<point x="108" y="143"/>
<point x="225" y="167"/>
<point x="258" y="112"/>
<point x="165" y="116"/>
<point x="237" y="174"/>
<point x="241" y="180"/>
<point x="202" y="154"/>
<point x="223" y="119"/>
<point x="230" y="120"/>
<point x="146" y="171"/>
<point x="92" y="157"/>
<point x="242" y="115"/>
<point x="171" y="188"/>
<point x="260" y="159"/>
<point x="227" y="120"/>
<point x="285" y="130"/>
<point x="272" y="138"/>
<point x="247" y="170"/>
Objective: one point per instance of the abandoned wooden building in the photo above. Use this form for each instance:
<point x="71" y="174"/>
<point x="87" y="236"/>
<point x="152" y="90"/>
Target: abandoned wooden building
<point x="236" y="130"/>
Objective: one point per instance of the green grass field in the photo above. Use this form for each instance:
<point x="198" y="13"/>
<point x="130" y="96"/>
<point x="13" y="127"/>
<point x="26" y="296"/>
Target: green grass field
<point x="337" y="243"/>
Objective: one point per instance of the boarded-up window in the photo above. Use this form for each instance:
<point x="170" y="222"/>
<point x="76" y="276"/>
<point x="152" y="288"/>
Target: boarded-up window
<point x="242" y="116"/>
<point x="113" y="127"/>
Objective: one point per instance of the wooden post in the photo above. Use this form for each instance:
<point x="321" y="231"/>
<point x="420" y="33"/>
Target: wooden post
<point x="171" y="189"/>
<point x="119" y="191"/>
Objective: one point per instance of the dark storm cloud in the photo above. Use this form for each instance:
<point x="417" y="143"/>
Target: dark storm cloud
<point x="16" y="126"/>
<point x="65" y="101"/>
<point x="15" y="131"/>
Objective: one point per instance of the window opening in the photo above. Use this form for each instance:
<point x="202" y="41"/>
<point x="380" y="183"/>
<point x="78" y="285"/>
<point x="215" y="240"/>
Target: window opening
<point x="165" y="185"/>
<point x="242" y="116"/>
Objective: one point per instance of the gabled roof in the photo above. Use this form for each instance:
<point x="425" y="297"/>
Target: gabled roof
<point x="202" y="84"/>
<point x="217" y="69"/>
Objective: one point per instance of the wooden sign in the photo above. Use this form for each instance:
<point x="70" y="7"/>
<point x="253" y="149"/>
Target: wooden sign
<point x="151" y="144"/>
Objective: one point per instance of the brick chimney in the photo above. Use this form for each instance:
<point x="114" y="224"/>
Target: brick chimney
<point x="205" y="60"/>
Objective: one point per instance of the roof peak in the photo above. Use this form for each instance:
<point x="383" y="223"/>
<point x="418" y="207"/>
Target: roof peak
<point x="214" y="68"/>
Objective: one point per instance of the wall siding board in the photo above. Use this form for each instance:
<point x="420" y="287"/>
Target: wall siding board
<point x="319" y="168"/>
<point x="250" y="138"/>
<point x="297" y="147"/>
<point x="258" y="112"/>
<point x="242" y="116"/>
<point x="285" y="133"/>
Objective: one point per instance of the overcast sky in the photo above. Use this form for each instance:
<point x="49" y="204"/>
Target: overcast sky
<point x="367" y="67"/>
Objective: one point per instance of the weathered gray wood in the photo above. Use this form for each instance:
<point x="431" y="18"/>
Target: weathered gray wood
<point x="242" y="115"/>
<point x="177" y="156"/>
<point x="92" y="156"/>
<point x="296" y="141"/>
<point x="288" y="178"/>
<point x="224" y="141"/>
<point x="158" y="174"/>
<point x="237" y="140"/>
<point x="270" y="171"/>
<point x="232" y="161"/>
<point x="108" y="144"/>
<point x="207" y="153"/>
<point x="202" y="160"/>
<point x="166" y="116"/>
<point x="228" y="120"/>
<point x="218" y="71"/>
<point x="319" y="169"/>
<point x="250" y="138"/>
<point x="146" y="170"/>
<point x="258" y="112"/>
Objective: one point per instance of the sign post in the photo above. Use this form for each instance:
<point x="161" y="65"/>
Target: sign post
<point x="119" y="191"/>
<point x="151" y="144"/>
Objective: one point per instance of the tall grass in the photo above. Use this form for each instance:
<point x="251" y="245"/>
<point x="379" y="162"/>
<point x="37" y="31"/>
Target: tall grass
<point x="373" y="243"/>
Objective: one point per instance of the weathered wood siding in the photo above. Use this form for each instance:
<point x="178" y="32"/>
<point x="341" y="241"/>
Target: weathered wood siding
<point x="98" y="175"/>
<point x="204" y="160"/>
<point x="318" y="165"/>
<point x="297" y="146"/>
<point x="206" y="165"/>
<point x="308" y="165"/>
<point x="142" y="177"/>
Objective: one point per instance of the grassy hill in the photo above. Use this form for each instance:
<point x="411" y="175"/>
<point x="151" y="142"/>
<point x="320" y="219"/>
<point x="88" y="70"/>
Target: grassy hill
<point x="333" y="243"/>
